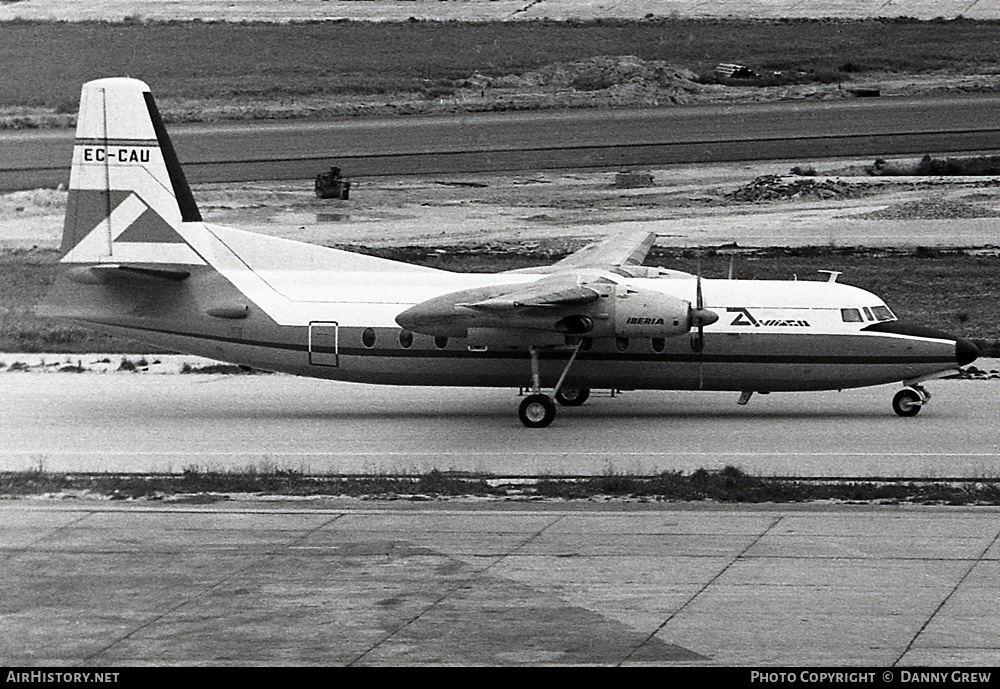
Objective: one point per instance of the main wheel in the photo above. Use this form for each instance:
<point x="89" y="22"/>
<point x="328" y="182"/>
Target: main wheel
<point x="537" y="411"/>
<point x="572" y="397"/>
<point x="906" y="403"/>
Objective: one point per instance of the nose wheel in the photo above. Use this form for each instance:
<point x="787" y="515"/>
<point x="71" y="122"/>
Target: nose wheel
<point x="908" y="401"/>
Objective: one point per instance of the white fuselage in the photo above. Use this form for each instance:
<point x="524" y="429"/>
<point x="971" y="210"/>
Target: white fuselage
<point x="340" y="323"/>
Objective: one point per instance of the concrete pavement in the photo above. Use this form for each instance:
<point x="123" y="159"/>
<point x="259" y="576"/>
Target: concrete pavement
<point x="99" y="584"/>
<point x="140" y="423"/>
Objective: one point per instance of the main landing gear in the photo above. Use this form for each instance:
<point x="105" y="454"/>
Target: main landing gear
<point x="572" y="397"/>
<point x="538" y="409"/>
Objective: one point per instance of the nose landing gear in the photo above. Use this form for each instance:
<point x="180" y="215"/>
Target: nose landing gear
<point x="909" y="400"/>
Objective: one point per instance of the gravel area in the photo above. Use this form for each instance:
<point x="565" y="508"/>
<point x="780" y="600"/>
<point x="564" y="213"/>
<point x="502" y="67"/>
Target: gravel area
<point x="757" y="204"/>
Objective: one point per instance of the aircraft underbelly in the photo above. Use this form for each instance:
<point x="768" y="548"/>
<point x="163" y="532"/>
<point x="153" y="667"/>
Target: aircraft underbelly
<point x="628" y="375"/>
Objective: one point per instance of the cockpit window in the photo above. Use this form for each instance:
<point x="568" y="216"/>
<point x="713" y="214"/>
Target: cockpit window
<point x="851" y="315"/>
<point x="882" y="313"/>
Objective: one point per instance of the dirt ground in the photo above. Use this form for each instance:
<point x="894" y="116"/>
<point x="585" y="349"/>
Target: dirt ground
<point x="750" y="204"/>
<point x="486" y="10"/>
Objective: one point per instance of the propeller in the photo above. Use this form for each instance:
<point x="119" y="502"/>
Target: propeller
<point x="700" y="317"/>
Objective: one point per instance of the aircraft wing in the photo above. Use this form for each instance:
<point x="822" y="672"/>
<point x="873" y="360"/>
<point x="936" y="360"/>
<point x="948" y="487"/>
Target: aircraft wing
<point x="625" y="249"/>
<point x="564" y="300"/>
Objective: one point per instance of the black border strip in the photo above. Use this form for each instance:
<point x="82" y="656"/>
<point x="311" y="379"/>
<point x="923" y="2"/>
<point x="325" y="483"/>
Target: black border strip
<point x="185" y="199"/>
<point x="141" y="143"/>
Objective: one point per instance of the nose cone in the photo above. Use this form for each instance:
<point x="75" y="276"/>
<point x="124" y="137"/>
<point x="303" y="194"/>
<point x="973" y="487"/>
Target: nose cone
<point x="703" y="317"/>
<point x="966" y="351"/>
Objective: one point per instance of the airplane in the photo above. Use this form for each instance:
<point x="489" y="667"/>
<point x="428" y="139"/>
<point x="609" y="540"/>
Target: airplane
<point x="139" y="261"/>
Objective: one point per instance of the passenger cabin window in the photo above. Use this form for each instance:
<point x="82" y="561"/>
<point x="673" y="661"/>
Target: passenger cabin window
<point x="658" y="343"/>
<point x="621" y="343"/>
<point x="440" y="341"/>
<point x="405" y="339"/>
<point x="851" y="315"/>
<point x="368" y="337"/>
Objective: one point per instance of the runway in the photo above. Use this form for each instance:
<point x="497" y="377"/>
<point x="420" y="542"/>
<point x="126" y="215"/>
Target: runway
<point x="491" y="142"/>
<point x="95" y="422"/>
<point x="93" y="585"/>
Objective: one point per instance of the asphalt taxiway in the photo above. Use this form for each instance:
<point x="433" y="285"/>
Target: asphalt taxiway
<point x="99" y="584"/>
<point x="166" y="423"/>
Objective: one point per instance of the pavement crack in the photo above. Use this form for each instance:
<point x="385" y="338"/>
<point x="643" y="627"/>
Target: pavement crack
<point x="463" y="585"/>
<point x="739" y="556"/>
<point x="944" y="601"/>
<point x="200" y="594"/>
<point x="10" y="553"/>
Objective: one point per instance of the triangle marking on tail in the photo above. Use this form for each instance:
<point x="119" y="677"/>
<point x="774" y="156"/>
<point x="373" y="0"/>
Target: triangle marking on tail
<point x="133" y="219"/>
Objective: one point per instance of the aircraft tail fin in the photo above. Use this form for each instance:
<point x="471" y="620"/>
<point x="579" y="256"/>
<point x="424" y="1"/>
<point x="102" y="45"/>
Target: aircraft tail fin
<point x="127" y="192"/>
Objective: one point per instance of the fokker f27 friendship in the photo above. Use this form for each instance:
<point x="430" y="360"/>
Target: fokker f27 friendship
<point x="139" y="261"/>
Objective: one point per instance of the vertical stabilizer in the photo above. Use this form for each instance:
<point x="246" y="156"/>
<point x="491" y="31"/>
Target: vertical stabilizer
<point x="127" y="192"/>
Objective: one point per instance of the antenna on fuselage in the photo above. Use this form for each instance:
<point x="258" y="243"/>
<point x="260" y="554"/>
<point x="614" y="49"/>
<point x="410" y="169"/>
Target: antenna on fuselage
<point x="832" y="275"/>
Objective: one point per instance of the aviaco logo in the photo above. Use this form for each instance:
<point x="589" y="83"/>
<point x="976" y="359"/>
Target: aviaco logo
<point x="744" y="317"/>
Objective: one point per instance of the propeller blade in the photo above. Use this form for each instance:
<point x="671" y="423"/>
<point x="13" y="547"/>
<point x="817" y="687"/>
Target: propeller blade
<point x="700" y="302"/>
<point x="701" y="317"/>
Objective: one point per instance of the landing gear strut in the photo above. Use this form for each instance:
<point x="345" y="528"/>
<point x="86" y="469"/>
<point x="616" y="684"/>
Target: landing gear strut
<point x="537" y="410"/>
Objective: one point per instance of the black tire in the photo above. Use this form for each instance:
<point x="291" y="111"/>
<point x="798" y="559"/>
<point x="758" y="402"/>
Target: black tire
<point x="537" y="411"/>
<point x="906" y="403"/>
<point x="572" y="397"/>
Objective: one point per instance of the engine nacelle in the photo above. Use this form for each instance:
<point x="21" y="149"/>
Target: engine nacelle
<point x="646" y="313"/>
<point x="614" y="310"/>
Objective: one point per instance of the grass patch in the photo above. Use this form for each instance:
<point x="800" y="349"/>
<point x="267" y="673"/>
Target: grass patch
<point x="46" y="62"/>
<point x="212" y="369"/>
<point x="729" y="485"/>
<point x="265" y="481"/>
<point x="966" y="166"/>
